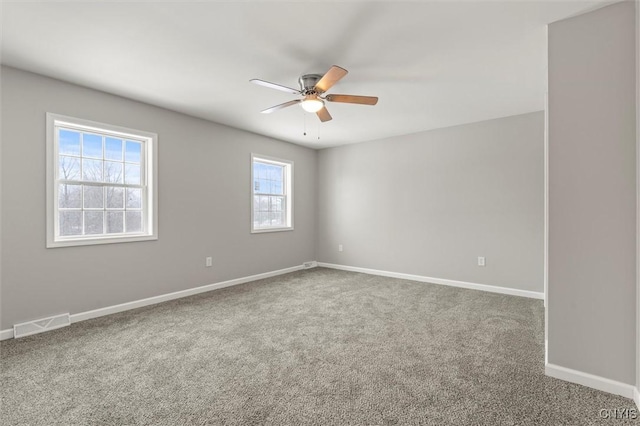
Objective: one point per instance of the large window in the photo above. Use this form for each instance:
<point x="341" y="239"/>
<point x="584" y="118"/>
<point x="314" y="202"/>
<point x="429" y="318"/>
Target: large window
<point x="101" y="183"/>
<point x="271" y="194"/>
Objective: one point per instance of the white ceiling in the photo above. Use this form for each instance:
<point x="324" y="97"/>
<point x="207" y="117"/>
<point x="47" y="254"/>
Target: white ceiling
<point x="432" y="64"/>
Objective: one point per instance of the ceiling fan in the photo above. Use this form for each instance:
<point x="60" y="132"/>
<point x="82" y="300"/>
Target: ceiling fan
<point x="312" y="88"/>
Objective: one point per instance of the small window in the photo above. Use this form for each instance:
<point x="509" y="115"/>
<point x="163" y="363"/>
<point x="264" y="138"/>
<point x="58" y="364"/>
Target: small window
<point x="272" y="195"/>
<point x="101" y="183"/>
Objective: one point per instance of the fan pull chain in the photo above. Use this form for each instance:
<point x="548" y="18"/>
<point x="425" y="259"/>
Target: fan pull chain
<point x="318" y="131"/>
<point x="304" y="121"/>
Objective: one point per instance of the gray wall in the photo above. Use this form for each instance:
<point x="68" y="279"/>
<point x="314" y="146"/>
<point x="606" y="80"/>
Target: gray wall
<point x="638" y="199"/>
<point x="430" y="203"/>
<point x="592" y="193"/>
<point x="204" y="196"/>
<point x="1" y="229"/>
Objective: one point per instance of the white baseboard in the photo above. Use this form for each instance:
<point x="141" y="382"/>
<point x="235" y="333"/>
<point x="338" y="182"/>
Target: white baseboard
<point x="176" y="295"/>
<point x="592" y="381"/>
<point x="6" y="334"/>
<point x="82" y="316"/>
<point x="636" y="397"/>
<point x="441" y="281"/>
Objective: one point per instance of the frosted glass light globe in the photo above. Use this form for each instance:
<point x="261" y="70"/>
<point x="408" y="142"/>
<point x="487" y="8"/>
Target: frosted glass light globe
<point x="312" y="104"/>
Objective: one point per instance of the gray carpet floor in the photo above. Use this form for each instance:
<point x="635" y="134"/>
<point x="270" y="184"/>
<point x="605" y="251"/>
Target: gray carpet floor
<point x="315" y="347"/>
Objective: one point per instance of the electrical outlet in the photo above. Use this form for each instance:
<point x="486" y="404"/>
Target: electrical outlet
<point x="481" y="261"/>
<point x="339" y="247"/>
<point x="209" y="262"/>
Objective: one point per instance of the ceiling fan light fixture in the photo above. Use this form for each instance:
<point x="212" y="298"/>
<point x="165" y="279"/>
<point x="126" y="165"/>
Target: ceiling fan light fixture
<point x="312" y="89"/>
<point x="312" y="104"/>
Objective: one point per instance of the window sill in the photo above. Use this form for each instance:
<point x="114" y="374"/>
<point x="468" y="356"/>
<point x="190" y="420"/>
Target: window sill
<point x="265" y="230"/>
<point x="72" y="242"/>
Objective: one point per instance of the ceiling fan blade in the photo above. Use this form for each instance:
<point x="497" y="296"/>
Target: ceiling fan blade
<point x="353" y="99"/>
<point x="330" y="78"/>
<point x="275" y="86"/>
<point x="323" y="115"/>
<point x="284" y="105"/>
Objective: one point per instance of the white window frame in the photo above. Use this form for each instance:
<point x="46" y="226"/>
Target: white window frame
<point x="288" y="192"/>
<point x="149" y="179"/>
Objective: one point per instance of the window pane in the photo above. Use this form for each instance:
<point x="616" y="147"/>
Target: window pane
<point x="268" y="178"/>
<point x="132" y="174"/>
<point x="259" y="170"/>
<point x="93" y="222"/>
<point x="264" y="186"/>
<point x="258" y="186"/>
<point x="68" y="168"/>
<point x="278" y="188"/>
<point x="113" y="149"/>
<point x="93" y="197"/>
<point x="70" y="223"/>
<point x="134" y="221"/>
<point x="132" y="154"/>
<point x="272" y="172"/>
<point x="115" y="222"/>
<point x="267" y="186"/>
<point x="263" y="205"/>
<point x="258" y="220"/>
<point x="134" y="198"/>
<point x="92" y="170"/>
<point x="91" y="145"/>
<point x="277" y="204"/>
<point x="113" y="172"/>
<point x="68" y="142"/>
<point x="115" y="197"/>
<point x="272" y="222"/>
<point x="69" y="196"/>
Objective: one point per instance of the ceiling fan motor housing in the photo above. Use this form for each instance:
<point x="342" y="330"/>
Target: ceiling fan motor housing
<point x="308" y="82"/>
